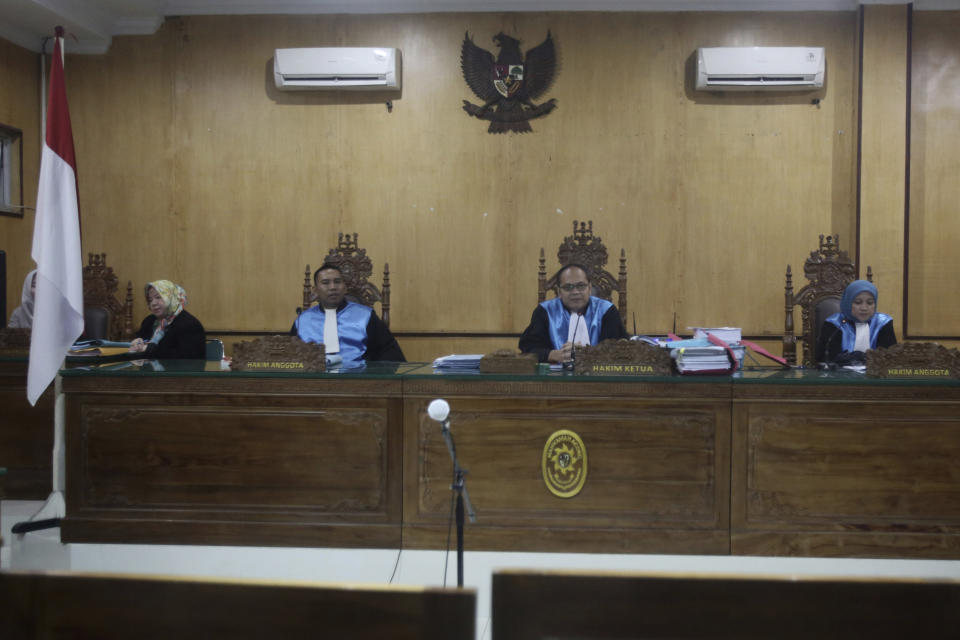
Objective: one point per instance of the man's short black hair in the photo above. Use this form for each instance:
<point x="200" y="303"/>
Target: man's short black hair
<point x="324" y="267"/>
<point x="566" y="267"/>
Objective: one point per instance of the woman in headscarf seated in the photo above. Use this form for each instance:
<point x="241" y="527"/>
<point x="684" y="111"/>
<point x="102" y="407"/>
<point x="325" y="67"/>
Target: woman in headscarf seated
<point x="170" y="331"/>
<point x="22" y="316"/>
<point x="846" y="335"/>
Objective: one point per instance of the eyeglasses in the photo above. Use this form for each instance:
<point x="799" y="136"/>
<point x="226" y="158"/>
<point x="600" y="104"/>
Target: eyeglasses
<point x="580" y="286"/>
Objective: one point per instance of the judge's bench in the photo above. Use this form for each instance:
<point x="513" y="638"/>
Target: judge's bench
<point x="763" y="462"/>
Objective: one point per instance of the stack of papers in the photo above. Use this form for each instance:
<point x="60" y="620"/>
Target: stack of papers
<point x="706" y="358"/>
<point x="458" y="363"/>
<point x="98" y="348"/>
<point x="86" y="344"/>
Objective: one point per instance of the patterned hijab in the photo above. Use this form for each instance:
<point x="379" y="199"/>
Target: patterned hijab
<point x="174" y="297"/>
<point x="854" y="289"/>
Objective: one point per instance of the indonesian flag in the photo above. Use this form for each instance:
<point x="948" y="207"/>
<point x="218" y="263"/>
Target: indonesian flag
<point x="58" y="306"/>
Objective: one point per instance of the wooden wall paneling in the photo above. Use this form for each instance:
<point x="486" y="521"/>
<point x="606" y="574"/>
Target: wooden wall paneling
<point x="934" y="164"/>
<point x="20" y="108"/>
<point x="26" y="434"/>
<point x="657" y="478"/>
<point x="425" y="349"/>
<point x="845" y="471"/>
<point x="277" y="461"/>
<point x="761" y="174"/>
<point x="244" y="184"/>
<point x="753" y="466"/>
<point x="261" y="167"/>
<point x="121" y="106"/>
<point x="882" y="190"/>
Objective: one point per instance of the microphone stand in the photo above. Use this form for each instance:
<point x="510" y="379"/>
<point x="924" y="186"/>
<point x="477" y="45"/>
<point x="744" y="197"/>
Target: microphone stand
<point x="570" y="364"/>
<point x="463" y="497"/>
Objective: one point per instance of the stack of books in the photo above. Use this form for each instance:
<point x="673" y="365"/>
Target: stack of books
<point x="706" y="359"/>
<point x="98" y="348"/>
<point x="701" y="354"/>
<point x="458" y="362"/>
<point x="730" y="335"/>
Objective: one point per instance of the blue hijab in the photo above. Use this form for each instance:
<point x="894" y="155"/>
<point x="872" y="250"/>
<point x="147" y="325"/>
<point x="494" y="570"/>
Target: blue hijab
<point x="854" y="289"/>
<point x="847" y="323"/>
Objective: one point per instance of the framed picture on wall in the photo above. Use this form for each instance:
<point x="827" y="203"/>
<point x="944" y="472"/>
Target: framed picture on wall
<point x="11" y="171"/>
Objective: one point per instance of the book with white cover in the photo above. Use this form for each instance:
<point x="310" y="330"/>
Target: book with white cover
<point x="730" y="335"/>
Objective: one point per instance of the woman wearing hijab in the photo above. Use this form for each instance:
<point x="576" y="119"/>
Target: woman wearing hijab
<point x="22" y="316"/>
<point x="857" y="327"/>
<point x="169" y="331"/>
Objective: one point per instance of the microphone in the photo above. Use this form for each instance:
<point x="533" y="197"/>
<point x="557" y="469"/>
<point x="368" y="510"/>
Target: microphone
<point x="439" y="410"/>
<point x="573" y="345"/>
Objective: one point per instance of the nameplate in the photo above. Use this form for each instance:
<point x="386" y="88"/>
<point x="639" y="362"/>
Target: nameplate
<point x="911" y="372"/>
<point x="279" y="353"/>
<point x="508" y="361"/>
<point x="913" y="360"/>
<point x="622" y="358"/>
<point x="274" y="364"/>
<point x="608" y="369"/>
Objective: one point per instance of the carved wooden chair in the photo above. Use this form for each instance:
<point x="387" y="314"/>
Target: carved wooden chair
<point x="104" y="316"/>
<point x="828" y="270"/>
<point x="587" y="249"/>
<point x="357" y="269"/>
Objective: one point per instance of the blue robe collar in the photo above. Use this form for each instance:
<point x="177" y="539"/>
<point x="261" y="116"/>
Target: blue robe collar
<point x="848" y="330"/>
<point x="558" y="317"/>
<point x="352" y="320"/>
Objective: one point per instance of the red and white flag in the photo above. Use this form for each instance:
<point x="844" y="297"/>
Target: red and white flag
<point x="58" y="306"/>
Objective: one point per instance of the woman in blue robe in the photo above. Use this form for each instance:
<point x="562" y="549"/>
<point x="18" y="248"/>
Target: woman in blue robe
<point x="858" y="326"/>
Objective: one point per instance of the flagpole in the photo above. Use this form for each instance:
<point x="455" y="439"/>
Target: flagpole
<point x="58" y="306"/>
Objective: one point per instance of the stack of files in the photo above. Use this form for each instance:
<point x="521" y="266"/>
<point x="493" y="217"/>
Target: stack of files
<point x="699" y="355"/>
<point x="98" y="348"/>
<point x="458" y="363"/>
<point x="703" y="359"/>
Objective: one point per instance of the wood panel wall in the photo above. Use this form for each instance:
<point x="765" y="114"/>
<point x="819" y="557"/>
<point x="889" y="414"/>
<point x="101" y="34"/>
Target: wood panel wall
<point x="933" y="260"/>
<point x="193" y="167"/>
<point x="20" y="108"/>
<point x="883" y="136"/>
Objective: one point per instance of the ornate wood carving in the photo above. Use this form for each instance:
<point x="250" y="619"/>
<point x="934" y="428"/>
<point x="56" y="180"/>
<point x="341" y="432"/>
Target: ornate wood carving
<point x="914" y="360"/>
<point x="357" y="268"/>
<point x="623" y="358"/>
<point x="587" y="249"/>
<point x="828" y="271"/>
<point x="508" y="361"/>
<point x="15" y="341"/>
<point x="279" y="353"/>
<point x="100" y="290"/>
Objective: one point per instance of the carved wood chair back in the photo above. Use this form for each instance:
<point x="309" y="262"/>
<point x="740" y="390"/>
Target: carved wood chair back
<point x="104" y="315"/>
<point x="587" y="249"/>
<point x="357" y="268"/>
<point x="828" y="271"/>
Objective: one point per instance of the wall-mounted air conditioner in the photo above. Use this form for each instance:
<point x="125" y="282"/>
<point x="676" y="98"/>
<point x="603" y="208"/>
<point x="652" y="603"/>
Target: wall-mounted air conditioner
<point x="352" y="68"/>
<point x="760" y="68"/>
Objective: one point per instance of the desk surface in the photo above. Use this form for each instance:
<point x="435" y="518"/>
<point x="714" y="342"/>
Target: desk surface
<point x="425" y="371"/>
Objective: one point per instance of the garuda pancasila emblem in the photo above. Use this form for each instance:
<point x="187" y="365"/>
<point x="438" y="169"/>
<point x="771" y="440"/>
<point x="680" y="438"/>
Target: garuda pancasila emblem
<point x="509" y="84"/>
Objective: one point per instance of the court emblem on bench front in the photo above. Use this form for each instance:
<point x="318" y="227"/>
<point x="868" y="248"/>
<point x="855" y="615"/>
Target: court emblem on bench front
<point x="564" y="463"/>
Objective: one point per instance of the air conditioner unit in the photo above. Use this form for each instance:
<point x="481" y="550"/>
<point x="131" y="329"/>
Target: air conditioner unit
<point x="351" y="68"/>
<point x="760" y="68"/>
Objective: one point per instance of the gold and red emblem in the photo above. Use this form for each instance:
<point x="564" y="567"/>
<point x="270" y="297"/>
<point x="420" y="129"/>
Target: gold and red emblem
<point x="564" y="463"/>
